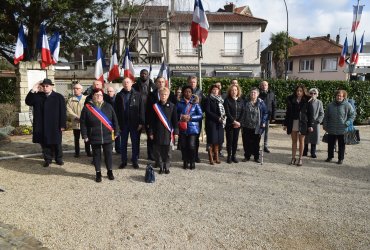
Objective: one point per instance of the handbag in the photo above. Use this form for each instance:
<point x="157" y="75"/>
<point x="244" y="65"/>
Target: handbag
<point x="325" y="138"/>
<point x="149" y="174"/>
<point x="183" y="126"/>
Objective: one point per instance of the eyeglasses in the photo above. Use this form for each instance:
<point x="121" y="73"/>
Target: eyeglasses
<point x="313" y="93"/>
<point x="98" y="95"/>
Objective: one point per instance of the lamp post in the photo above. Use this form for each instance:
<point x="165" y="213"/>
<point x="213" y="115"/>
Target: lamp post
<point x="286" y="42"/>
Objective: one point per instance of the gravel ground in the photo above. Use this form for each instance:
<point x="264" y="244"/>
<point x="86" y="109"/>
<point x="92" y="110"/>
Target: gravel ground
<point x="239" y="206"/>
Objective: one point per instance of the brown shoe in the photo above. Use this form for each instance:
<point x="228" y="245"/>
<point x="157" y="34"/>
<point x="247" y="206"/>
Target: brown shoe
<point x="210" y="154"/>
<point x="216" y="150"/>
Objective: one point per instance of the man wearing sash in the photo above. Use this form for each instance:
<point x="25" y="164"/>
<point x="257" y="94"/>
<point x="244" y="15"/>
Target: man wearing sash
<point x="162" y="129"/>
<point x="99" y="126"/>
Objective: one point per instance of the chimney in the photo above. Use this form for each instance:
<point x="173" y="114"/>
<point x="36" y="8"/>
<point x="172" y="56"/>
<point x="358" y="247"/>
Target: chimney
<point x="328" y="36"/>
<point x="337" y="39"/>
<point x="230" y="7"/>
<point x="172" y="7"/>
<point x="308" y="38"/>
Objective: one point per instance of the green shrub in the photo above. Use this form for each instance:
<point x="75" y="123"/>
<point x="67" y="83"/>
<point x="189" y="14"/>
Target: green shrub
<point x="22" y="130"/>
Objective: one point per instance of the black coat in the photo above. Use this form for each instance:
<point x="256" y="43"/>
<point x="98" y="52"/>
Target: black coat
<point x="136" y="109"/>
<point x="153" y="98"/>
<point x="144" y="88"/>
<point x="94" y="129"/>
<point x="234" y="110"/>
<point x="161" y="134"/>
<point x="270" y="102"/>
<point x="305" y="114"/>
<point x="214" y="128"/>
<point x="49" y="117"/>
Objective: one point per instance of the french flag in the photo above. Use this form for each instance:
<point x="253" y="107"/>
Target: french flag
<point x="343" y="55"/>
<point x="355" y="53"/>
<point x="128" y="67"/>
<point x="163" y="72"/>
<point x="46" y="58"/>
<point x="20" y="46"/>
<point x="113" y="67"/>
<point x="54" y="44"/>
<point x="99" y="65"/>
<point x="357" y="12"/>
<point x="199" y="25"/>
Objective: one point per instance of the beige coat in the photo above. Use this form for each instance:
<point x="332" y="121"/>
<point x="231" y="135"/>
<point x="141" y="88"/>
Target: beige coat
<point x="74" y="108"/>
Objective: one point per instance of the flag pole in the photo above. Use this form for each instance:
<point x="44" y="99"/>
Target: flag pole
<point x="200" y="64"/>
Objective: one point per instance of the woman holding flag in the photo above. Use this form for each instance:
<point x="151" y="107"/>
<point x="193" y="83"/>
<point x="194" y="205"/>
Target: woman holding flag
<point x="99" y="126"/>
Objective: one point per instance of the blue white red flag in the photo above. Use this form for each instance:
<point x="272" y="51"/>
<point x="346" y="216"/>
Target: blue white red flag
<point x="128" y="67"/>
<point x="343" y="55"/>
<point x="20" y="46"/>
<point x="46" y="58"/>
<point x="358" y="50"/>
<point x="99" y="74"/>
<point x="357" y="12"/>
<point x="113" y="66"/>
<point x="54" y="44"/>
<point x="354" y="52"/>
<point x="164" y="72"/>
<point x="199" y="25"/>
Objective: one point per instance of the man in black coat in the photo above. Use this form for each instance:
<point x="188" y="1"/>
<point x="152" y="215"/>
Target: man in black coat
<point x="130" y="111"/>
<point x="269" y="99"/>
<point x="49" y="120"/>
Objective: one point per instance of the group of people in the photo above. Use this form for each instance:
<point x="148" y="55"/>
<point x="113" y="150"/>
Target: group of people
<point x="103" y="118"/>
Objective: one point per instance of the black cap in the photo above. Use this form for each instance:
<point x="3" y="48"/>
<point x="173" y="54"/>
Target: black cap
<point x="47" y="81"/>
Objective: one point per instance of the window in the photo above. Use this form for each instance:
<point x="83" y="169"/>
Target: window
<point x="306" y="65"/>
<point x="186" y="46"/>
<point x="155" y="41"/>
<point x="329" y="64"/>
<point x="233" y="43"/>
<point x="290" y="66"/>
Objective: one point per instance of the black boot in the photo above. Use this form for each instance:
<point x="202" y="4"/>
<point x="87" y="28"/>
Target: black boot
<point x="160" y="168"/>
<point x="192" y="165"/>
<point x="228" y="160"/>
<point x="166" y="168"/>
<point x="233" y="158"/>
<point x="313" y="151"/>
<point x="110" y="175"/>
<point x="185" y="166"/>
<point x="305" y="150"/>
<point x="98" y="177"/>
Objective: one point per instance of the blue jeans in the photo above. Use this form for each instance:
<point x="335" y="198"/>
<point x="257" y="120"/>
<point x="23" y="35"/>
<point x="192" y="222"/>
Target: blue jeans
<point x="135" y="143"/>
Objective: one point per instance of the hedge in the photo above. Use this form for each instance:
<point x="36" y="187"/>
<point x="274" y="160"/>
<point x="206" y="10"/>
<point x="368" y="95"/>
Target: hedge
<point x="7" y="90"/>
<point x="359" y="91"/>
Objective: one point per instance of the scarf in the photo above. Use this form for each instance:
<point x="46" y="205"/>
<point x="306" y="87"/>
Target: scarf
<point x="220" y="103"/>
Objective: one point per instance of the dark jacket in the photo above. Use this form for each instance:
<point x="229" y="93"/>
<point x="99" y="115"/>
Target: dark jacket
<point x="144" y="88"/>
<point x="214" y="128"/>
<point x="154" y="98"/>
<point x="270" y="101"/>
<point x="94" y="129"/>
<point x="195" y="114"/>
<point x="305" y="114"/>
<point x="49" y="116"/>
<point x="135" y="109"/>
<point x="338" y="116"/>
<point x="201" y="97"/>
<point x="263" y="116"/>
<point x="156" y="128"/>
<point x="234" y="110"/>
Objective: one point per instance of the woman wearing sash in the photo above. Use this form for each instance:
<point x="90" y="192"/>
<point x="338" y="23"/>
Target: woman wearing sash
<point x="98" y="125"/>
<point x="162" y="129"/>
<point x="190" y="114"/>
<point x="215" y="123"/>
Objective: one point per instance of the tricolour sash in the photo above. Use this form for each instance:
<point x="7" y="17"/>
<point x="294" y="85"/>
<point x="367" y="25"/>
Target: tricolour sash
<point x="101" y="116"/>
<point x="163" y="118"/>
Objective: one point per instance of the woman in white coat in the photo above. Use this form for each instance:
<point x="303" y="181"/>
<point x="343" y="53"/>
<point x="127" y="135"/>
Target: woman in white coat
<point x="313" y="137"/>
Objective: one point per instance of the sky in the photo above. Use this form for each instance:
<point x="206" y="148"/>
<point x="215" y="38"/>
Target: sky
<point x="306" y="17"/>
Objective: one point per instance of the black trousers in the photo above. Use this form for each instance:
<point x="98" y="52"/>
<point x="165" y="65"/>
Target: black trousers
<point x="77" y="135"/>
<point x="251" y="143"/>
<point x="50" y="150"/>
<point x="232" y="136"/>
<point x="341" y="146"/>
<point x="188" y="147"/>
<point x="162" y="154"/>
<point x="107" y="150"/>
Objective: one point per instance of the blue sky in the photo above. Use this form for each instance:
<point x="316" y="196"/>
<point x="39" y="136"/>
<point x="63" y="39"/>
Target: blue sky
<point x="306" y="17"/>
